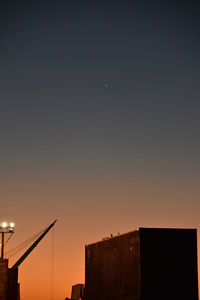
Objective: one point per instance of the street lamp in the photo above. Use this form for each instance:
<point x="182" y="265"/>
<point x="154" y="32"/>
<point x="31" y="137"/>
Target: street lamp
<point x="5" y="228"/>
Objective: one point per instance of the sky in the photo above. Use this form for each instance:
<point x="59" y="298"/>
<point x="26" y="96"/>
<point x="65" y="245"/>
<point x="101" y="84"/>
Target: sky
<point x="99" y="127"/>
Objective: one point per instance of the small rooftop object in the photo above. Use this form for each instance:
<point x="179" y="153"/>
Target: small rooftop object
<point x="77" y="291"/>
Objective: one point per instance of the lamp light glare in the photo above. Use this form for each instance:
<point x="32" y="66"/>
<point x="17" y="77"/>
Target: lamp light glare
<point x="12" y="225"/>
<point x="4" y="225"/>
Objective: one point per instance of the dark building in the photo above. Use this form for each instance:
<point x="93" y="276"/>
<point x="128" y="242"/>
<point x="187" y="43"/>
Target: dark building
<point x="146" y="264"/>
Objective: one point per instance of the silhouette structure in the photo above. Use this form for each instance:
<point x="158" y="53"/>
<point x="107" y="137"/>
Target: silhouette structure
<point x="9" y="286"/>
<point x="146" y="264"/>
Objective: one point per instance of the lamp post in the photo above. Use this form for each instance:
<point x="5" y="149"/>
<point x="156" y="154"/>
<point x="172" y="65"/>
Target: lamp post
<point x="5" y="228"/>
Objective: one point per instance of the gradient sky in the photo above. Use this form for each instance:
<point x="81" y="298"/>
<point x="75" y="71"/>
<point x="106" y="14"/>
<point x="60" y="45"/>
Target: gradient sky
<point x="99" y="126"/>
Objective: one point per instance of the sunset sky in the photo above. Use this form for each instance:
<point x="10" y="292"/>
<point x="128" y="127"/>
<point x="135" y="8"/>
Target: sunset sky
<point x="99" y="126"/>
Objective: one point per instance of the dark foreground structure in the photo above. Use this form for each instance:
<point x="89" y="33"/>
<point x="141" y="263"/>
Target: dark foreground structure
<point x="9" y="286"/>
<point x="146" y="264"/>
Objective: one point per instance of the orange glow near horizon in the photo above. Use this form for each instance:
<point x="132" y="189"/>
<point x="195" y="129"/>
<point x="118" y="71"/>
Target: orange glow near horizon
<point x="87" y="210"/>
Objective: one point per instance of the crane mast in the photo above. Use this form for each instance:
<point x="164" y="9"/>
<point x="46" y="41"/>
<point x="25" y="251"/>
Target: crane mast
<point x="30" y="249"/>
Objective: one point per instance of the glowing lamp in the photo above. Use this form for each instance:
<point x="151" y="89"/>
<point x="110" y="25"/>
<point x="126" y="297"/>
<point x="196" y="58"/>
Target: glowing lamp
<point x="4" y="225"/>
<point x="5" y="228"/>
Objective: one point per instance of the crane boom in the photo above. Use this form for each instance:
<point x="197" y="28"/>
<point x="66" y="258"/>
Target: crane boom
<point x="30" y="249"/>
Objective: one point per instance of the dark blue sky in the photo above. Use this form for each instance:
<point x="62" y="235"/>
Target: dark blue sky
<point x="104" y="95"/>
<point x="56" y="58"/>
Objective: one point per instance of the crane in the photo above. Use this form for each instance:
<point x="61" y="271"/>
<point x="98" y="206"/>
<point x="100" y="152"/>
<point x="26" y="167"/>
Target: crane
<point x="12" y="292"/>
